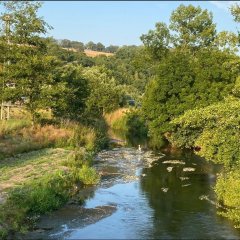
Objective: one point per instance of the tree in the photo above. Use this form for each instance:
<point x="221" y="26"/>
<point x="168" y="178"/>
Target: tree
<point x="183" y="82"/>
<point x="193" y="27"/>
<point x="100" y="47"/>
<point x="105" y="95"/>
<point x="199" y="68"/>
<point x="226" y="40"/>
<point x="157" y="42"/>
<point x="235" y="10"/>
<point x="91" y="45"/>
<point x="111" y="49"/>
<point x="71" y="92"/>
<point x="65" y="43"/>
<point x="190" y="29"/>
<point x="29" y="68"/>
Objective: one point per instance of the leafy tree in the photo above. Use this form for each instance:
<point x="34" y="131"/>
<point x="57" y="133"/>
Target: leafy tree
<point x="79" y="46"/>
<point x="71" y="92"/>
<point x="91" y="45"/>
<point x="100" y="47"/>
<point x="198" y="68"/>
<point x="111" y="49"/>
<point x="193" y="27"/>
<point x="65" y="43"/>
<point x="105" y="96"/>
<point x="227" y="41"/>
<point x="235" y="10"/>
<point x="214" y="130"/>
<point x="65" y="56"/>
<point x="29" y="68"/>
<point x="158" y="41"/>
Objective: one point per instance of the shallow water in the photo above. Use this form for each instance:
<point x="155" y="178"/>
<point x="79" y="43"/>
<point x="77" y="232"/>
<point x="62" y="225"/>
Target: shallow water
<point x="146" y="200"/>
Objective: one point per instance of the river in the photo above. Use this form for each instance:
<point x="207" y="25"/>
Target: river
<point x="143" y="195"/>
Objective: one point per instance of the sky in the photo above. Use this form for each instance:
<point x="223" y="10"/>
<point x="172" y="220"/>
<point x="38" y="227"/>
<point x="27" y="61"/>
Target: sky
<point x="120" y="22"/>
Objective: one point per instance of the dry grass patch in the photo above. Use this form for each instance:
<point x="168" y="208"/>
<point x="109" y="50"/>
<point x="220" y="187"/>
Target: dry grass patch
<point x="114" y="116"/>
<point x="91" y="53"/>
<point x="25" y="139"/>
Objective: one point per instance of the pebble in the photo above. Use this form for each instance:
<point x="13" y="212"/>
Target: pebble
<point x="189" y="169"/>
<point x="164" y="189"/>
<point x="186" y="185"/>
<point x="184" y="178"/>
<point x="174" y="162"/>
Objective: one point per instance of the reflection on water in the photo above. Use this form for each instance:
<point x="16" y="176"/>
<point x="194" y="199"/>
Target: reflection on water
<point x="127" y="140"/>
<point x="157" y="203"/>
<point x="145" y="211"/>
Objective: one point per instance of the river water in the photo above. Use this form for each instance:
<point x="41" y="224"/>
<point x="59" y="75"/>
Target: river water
<point x="144" y="195"/>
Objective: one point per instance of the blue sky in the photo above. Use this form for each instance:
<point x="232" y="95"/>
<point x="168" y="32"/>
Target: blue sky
<point x="120" y="23"/>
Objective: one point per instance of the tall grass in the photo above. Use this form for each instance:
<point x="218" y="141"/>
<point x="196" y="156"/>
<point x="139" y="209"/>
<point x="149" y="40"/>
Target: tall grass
<point x="128" y="121"/>
<point x="112" y="117"/>
<point x="9" y="126"/>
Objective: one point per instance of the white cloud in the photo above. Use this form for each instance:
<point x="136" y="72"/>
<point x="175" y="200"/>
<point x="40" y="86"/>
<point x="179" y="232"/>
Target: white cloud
<point x="223" y="4"/>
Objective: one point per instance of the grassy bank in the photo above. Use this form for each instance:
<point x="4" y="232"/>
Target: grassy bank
<point x="42" y="167"/>
<point x="128" y="120"/>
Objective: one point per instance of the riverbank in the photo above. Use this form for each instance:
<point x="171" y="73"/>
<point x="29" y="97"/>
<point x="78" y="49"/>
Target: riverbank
<point x="42" y="167"/>
<point x="142" y="195"/>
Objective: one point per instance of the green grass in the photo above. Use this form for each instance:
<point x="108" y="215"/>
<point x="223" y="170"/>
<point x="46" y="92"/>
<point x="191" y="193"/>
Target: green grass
<point x="40" y="167"/>
<point x="40" y="182"/>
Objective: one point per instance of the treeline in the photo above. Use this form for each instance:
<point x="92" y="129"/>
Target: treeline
<point x="80" y="46"/>
<point x="72" y="85"/>
<point x="193" y="99"/>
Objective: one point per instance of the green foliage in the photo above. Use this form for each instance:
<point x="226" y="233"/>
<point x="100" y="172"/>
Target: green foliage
<point x="235" y="10"/>
<point x="10" y="126"/>
<point x="213" y="129"/>
<point x="105" y="95"/>
<point x="184" y="82"/>
<point x="46" y="193"/>
<point x="68" y="56"/>
<point x="193" y="26"/>
<point x="71" y="92"/>
<point x="131" y="123"/>
<point x="157" y="41"/>
<point x="228" y="192"/>
<point x="28" y="68"/>
<point x="36" y="197"/>
<point x="88" y="175"/>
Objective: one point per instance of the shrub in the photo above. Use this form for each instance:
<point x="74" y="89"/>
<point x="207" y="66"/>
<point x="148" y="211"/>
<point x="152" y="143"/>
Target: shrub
<point x="213" y="130"/>
<point x="228" y="192"/>
<point x="88" y="175"/>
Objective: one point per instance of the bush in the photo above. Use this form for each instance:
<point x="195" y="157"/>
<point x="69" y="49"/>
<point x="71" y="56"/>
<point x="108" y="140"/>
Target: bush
<point x="213" y="131"/>
<point x="228" y="192"/>
<point x="88" y="175"/>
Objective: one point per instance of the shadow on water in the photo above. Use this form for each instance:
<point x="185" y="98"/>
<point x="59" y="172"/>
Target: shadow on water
<point x="147" y="195"/>
<point x="175" y="197"/>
